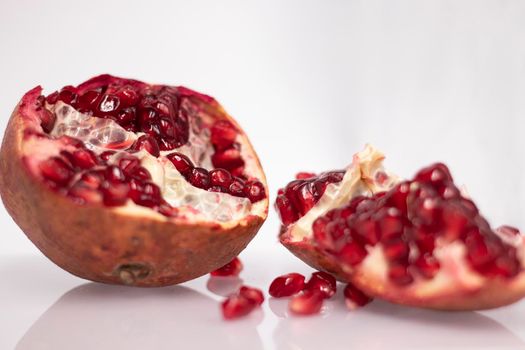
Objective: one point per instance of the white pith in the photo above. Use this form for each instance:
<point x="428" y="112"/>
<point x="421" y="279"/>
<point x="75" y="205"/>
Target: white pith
<point x="454" y="273"/>
<point x="100" y="135"/>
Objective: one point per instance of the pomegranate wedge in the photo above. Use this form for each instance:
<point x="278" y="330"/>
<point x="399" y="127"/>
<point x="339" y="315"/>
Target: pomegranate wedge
<point x="418" y="242"/>
<point x="120" y="181"/>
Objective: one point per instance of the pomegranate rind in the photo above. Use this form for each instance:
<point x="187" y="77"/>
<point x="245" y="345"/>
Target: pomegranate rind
<point x="113" y="245"/>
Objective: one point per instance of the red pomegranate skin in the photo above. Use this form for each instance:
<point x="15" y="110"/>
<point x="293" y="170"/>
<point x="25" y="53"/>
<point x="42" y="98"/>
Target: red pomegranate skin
<point x="103" y="245"/>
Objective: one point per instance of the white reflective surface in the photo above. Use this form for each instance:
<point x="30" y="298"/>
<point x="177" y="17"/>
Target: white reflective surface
<point x="44" y="308"/>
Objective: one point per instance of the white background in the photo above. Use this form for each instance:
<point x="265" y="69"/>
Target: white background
<point x="311" y="82"/>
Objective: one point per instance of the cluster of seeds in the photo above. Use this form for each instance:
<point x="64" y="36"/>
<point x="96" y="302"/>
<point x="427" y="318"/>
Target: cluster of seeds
<point x="299" y="196"/>
<point x="408" y="221"/>
<point x="154" y="110"/>
<point x="90" y="178"/>
<point x="308" y="297"/>
<point x="217" y="180"/>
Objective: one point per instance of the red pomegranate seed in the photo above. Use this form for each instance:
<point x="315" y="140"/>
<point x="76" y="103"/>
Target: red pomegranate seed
<point x="109" y="104"/>
<point x="93" y="179"/>
<point x="223" y="134"/>
<point x="89" y="99"/>
<point x="233" y="268"/>
<point x="84" y="159"/>
<point x="309" y="302"/>
<point x="52" y="98"/>
<point x="286" y="211"/>
<point x="304" y="175"/>
<point x="396" y="250"/>
<point x="228" y="159"/>
<point x="236" y="306"/>
<point x="254" y="191"/>
<point x="84" y="193"/>
<point x="199" y="177"/>
<point x="352" y="253"/>
<point x="56" y="170"/>
<point x="106" y="155"/>
<point x="47" y="120"/>
<point x="220" y="177"/>
<point x="399" y="275"/>
<point x="68" y="95"/>
<point x="180" y="161"/>
<point x="114" y="174"/>
<point x="146" y="194"/>
<point x="322" y="282"/>
<point x="115" y="194"/>
<point x="355" y="298"/>
<point x="237" y="187"/>
<point x="147" y="143"/>
<point x="126" y="116"/>
<point x="253" y="294"/>
<point x="287" y="285"/>
<point x="128" y="96"/>
<point x="427" y="265"/>
<point x="437" y="173"/>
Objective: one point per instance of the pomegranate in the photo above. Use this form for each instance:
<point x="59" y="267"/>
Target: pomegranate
<point x="419" y="242"/>
<point x="119" y="181"/>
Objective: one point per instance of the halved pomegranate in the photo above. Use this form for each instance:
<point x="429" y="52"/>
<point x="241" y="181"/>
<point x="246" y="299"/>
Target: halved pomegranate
<point x="119" y="181"/>
<point x="419" y="242"/>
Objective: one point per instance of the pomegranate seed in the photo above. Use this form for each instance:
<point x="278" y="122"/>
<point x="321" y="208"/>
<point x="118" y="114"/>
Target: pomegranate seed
<point x="396" y="250"/>
<point x="89" y="99"/>
<point x="228" y="159"/>
<point x="304" y="175"/>
<point x="253" y="294"/>
<point x="309" y="302"/>
<point x="180" y="161"/>
<point x="223" y="134"/>
<point x="236" y="306"/>
<point x="147" y="143"/>
<point x="220" y="177"/>
<point x="322" y="282"/>
<point x="126" y="116"/>
<point x="427" y="265"/>
<point x="114" y="174"/>
<point x="106" y="155"/>
<point x="115" y="194"/>
<point x="167" y="128"/>
<point x="286" y="211"/>
<point x="47" y="120"/>
<point x="52" y="98"/>
<point x="84" y="159"/>
<point x="84" y="193"/>
<point x="437" y="173"/>
<point x="287" y="285"/>
<point x="146" y="194"/>
<point x="254" y="191"/>
<point x="355" y="298"/>
<point x="93" y="179"/>
<point x="399" y="275"/>
<point x="56" y="170"/>
<point x="352" y="253"/>
<point x="68" y="95"/>
<point x="128" y="96"/>
<point x="237" y="187"/>
<point x="233" y="268"/>
<point x="109" y="104"/>
<point x="199" y="177"/>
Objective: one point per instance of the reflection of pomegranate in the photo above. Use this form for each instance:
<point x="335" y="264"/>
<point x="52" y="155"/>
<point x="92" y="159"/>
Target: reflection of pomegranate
<point x="119" y="181"/>
<point x="418" y="242"/>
